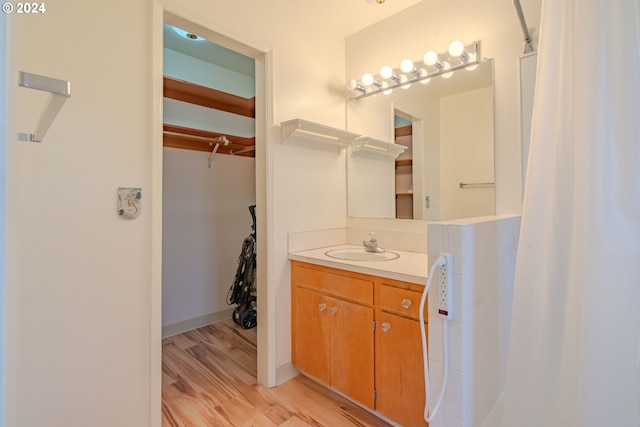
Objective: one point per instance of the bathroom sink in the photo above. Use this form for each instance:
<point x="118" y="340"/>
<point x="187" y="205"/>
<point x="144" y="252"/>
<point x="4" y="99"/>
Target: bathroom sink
<point x="359" y="254"/>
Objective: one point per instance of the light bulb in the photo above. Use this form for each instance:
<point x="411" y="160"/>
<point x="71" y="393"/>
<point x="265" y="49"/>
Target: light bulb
<point x="456" y="48"/>
<point x="425" y="81"/>
<point x="406" y="65"/>
<point x="386" y="72"/>
<point x="352" y="84"/>
<point x="430" y="58"/>
<point x="446" y="66"/>
<point x="367" y="79"/>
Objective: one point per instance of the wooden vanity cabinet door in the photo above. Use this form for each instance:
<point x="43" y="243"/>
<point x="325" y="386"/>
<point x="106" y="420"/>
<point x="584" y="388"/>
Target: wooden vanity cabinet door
<point x="332" y="329"/>
<point x="399" y="369"/>
<point x="352" y="350"/>
<point x="311" y="352"/>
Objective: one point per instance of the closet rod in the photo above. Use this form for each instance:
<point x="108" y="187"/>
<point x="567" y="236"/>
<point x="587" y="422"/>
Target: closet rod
<point x="242" y="150"/>
<point x="195" y="137"/>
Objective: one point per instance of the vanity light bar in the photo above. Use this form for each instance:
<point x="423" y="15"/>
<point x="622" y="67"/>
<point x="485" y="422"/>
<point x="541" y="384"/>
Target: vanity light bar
<point x="458" y="57"/>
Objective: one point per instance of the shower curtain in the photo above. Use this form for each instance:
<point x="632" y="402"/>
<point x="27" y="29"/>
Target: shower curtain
<point x="574" y="357"/>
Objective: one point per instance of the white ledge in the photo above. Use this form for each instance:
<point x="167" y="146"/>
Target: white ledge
<point x="316" y="133"/>
<point x="377" y="146"/>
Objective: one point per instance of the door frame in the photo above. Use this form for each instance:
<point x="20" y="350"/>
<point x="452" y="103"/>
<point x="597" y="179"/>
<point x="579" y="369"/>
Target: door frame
<point x="175" y="13"/>
<point x="4" y="138"/>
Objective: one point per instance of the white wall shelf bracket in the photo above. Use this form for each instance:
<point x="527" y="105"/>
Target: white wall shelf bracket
<point x="221" y="139"/>
<point x="376" y="146"/>
<point x="60" y="90"/>
<point x="316" y="132"/>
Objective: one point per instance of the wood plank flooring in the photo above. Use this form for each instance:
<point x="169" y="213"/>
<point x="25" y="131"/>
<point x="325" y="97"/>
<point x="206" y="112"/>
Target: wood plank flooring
<point x="209" y="380"/>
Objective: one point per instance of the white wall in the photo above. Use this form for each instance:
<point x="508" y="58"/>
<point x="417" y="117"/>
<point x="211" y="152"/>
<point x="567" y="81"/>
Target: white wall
<point x="79" y="275"/>
<point x="205" y="219"/>
<point x="429" y="25"/>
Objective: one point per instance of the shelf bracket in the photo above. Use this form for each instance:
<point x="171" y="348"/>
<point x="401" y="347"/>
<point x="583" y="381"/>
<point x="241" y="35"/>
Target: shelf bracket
<point x="60" y="90"/>
<point x="222" y="139"/>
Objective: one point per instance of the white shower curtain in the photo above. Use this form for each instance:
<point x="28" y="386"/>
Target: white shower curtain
<point x="574" y="356"/>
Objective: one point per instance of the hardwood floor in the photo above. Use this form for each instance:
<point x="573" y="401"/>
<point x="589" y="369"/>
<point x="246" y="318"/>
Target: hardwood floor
<point x="209" y="380"/>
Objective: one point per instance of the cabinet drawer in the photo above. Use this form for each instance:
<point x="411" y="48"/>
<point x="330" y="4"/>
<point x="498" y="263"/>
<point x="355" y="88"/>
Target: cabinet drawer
<point x="340" y="285"/>
<point x="401" y="301"/>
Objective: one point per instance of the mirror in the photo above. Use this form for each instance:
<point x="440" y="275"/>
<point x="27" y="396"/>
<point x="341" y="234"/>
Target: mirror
<point x="447" y="170"/>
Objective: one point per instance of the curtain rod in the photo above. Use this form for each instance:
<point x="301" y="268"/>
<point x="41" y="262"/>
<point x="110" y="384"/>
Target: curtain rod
<point x="528" y="42"/>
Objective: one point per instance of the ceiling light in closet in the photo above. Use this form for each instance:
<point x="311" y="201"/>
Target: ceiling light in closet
<point x="187" y="35"/>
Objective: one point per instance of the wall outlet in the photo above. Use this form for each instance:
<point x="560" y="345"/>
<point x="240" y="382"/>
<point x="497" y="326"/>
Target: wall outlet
<point x="445" y="288"/>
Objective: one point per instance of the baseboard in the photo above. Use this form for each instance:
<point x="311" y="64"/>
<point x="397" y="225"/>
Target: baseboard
<point x="285" y="372"/>
<point x="355" y="402"/>
<point x="198" y="322"/>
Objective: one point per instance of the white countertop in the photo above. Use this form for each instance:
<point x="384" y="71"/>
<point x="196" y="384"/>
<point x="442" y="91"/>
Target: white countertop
<point x="409" y="266"/>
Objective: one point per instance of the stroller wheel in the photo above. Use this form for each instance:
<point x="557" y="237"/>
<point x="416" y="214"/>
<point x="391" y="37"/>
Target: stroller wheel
<point x="250" y="318"/>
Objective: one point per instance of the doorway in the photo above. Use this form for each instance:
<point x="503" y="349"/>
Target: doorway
<point x="262" y="115"/>
<point x="208" y="176"/>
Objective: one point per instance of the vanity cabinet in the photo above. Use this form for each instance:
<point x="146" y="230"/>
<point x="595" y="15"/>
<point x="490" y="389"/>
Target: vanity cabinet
<point x="332" y="329"/>
<point x="336" y="341"/>
<point x="399" y="367"/>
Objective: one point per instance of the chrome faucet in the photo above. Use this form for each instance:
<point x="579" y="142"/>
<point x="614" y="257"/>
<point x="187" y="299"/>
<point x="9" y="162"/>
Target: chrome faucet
<point x="371" y="245"/>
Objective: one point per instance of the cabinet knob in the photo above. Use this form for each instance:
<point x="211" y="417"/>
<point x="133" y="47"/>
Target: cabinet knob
<point x="406" y="303"/>
<point x="322" y="306"/>
<point x="333" y="310"/>
<point x="386" y="326"/>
